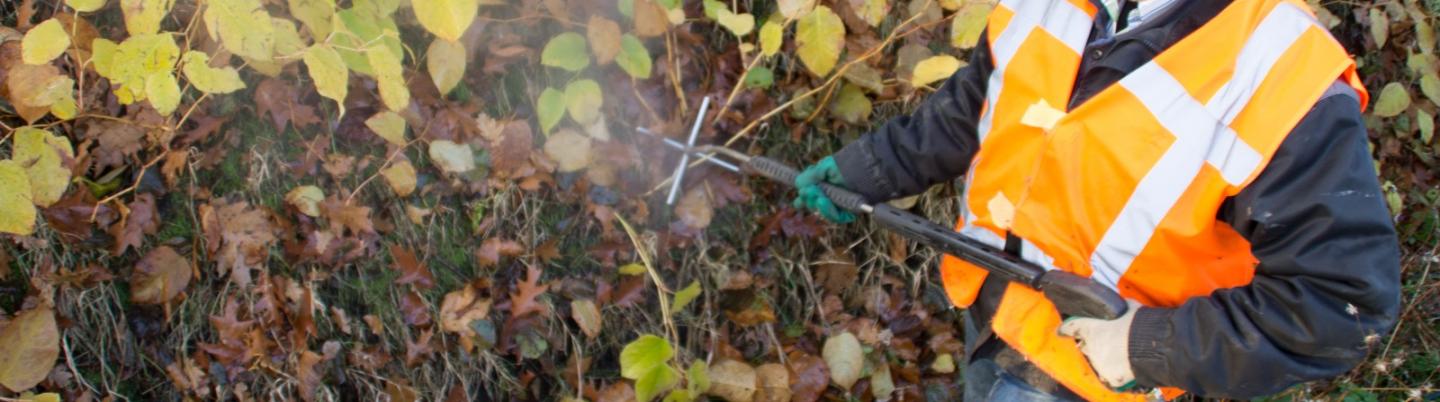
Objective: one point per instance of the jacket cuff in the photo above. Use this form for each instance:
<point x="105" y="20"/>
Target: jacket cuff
<point x="862" y="171"/>
<point x="1149" y="332"/>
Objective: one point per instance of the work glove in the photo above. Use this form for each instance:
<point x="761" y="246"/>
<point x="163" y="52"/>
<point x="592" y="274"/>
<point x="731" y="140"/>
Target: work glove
<point x="1106" y="343"/>
<point x="813" y="198"/>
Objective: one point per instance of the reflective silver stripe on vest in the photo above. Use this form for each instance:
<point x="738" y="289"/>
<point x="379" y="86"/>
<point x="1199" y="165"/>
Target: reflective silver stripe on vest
<point x="1195" y="126"/>
<point x="1059" y="18"/>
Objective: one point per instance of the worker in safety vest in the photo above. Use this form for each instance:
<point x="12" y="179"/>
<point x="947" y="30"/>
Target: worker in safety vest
<point x="1205" y="159"/>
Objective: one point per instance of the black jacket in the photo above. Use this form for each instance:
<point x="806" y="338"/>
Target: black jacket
<point x="1328" y="280"/>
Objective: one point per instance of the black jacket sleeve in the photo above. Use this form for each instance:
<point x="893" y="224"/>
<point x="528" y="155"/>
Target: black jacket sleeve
<point x="1327" y="285"/>
<point x="934" y="144"/>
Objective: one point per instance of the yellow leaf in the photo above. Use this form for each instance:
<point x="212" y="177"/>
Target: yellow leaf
<point x="873" y="11"/>
<point x="452" y="157"/>
<point x="196" y="66"/>
<point x="738" y="24"/>
<point x="845" y="358"/>
<point x="315" y="14"/>
<point x="102" y="56"/>
<point x="1379" y="26"/>
<point x="355" y="31"/>
<point x="934" y="69"/>
<point x="388" y="125"/>
<point x="288" y="44"/>
<point x="64" y="108"/>
<point x="45" y="397"/>
<point x="820" y="36"/>
<point x="143" y="17"/>
<point x="85" y="6"/>
<point x="733" y="380"/>
<point x="1394" y="99"/>
<point x="445" y="61"/>
<point x="951" y="5"/>
<point x="632" y="269"/>
<point x="390" y="76"/>
<point x="401" y="177"/>
<point x="242" y="26"/>
<point x="969" y="23"/>
<point x="306" y="199"/>
<point x="569" y="150"/>
<point x="29" y="347"/>
<point x="583" y="99"/>
<point x="43" y="155"/>
<point x="447" y="19"/>
<point x="328" y="71"/>
<point x="163" y="92"/>
<point x="772" y="35"/>
<point x="44" y="42"/>
<point x="138" y="58"/>
<point x="17" y="209"/>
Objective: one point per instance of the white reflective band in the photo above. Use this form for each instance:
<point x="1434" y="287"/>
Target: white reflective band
<point x="1063" y="20"/>
<point x="1195" y="126"/>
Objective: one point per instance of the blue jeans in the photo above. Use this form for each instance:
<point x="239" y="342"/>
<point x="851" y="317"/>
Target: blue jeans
<point x="986" y="381"/>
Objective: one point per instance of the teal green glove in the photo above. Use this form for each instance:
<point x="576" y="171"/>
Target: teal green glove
<point x="813" y="198"/>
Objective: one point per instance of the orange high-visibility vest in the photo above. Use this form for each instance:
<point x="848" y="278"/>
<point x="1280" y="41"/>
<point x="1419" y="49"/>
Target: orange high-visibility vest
<point x="1125" y="187"/>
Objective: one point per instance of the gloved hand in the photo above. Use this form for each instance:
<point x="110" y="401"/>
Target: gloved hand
<point x="1106" y="343"/>
<point x="813" y="198"/>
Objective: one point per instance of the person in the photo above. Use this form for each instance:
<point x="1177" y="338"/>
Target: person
<point x="1205" y="159"/>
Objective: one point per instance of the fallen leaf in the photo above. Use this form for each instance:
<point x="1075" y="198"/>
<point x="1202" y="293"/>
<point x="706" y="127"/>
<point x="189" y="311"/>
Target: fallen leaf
<point x="46" y="159"/>
<point x="461" y="307"/>
<point x="401" y="177"/>
<point x="143" y="219"/>
<point x="934" y="69"/>
<point x="810" y="377"/>
<point x="774" y="383"/>
<point x="523" y="302"/>
<point x="795" y="9"/>
<point x="569" y="150"/>
<point x="969" y="23"/>
<point x="29" y="347"/>
<point x="733" y="380"/>
<point x="412" y="271"/>
<point x="604" y="36"/>
<point x="694" y="208"/>
<point x="451" y="157"/>
<point x="306" y="199"/>
<point x="844" y="358"/>
<point x="159" y="277"/>
<point x="651" y="19"/>
<point x="587" y="315"/>
<point x="413" y="310"/>
<point x="493" y="248"/>
<point x="418" y="351"/>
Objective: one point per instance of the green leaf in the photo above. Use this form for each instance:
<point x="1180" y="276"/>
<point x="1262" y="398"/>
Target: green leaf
<point x="390" y="77"/>
<point x="85" y="6"/>
<point x="1394" y="99"/>
<point x="196" y="66"/>
<point x="759" y="77"/>
<point x="447" y="19"/>
<point x="356" y="30"/>
<point x="644" y="355"/>
<point x="653" y="383"/>
<point x="820" y="36"/>
<point x="772" y="35"/>
<point x="1427" y="125"/>
<point x="550" y="108"/>
<point x="163" y="92"/>
<point x="102" y="56"/>
<point x="44" y="42"/>
<point x="328" y="71"/>
<point x="685" y="296"/>
<point x="451" y="157"/>
<point x="1379" y="26"/>
<point x="851" y="105"/>
<point x="43" y="155"/>
<point x="698" y="378"/>
<point x="1430" y="86"/>
<point x="242" y="26"/>
<point x="634" y="58"/>
<point x="17" y="214"/>
<point x="627" y="8"/>
<point x="566" y="51"/>
<point x="679" y="395"/>
<point x="968" y="23"/>
<point x="632" y="269"/>
<point x="445" y="61"/>
<point x="712" y="8"/>
<point x="583" y="100"/>
<point x="315" y="14"/>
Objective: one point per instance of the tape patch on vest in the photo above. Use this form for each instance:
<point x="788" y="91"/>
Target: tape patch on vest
<point x="1041" y="115"/>
<point x="1002" y="211"/>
